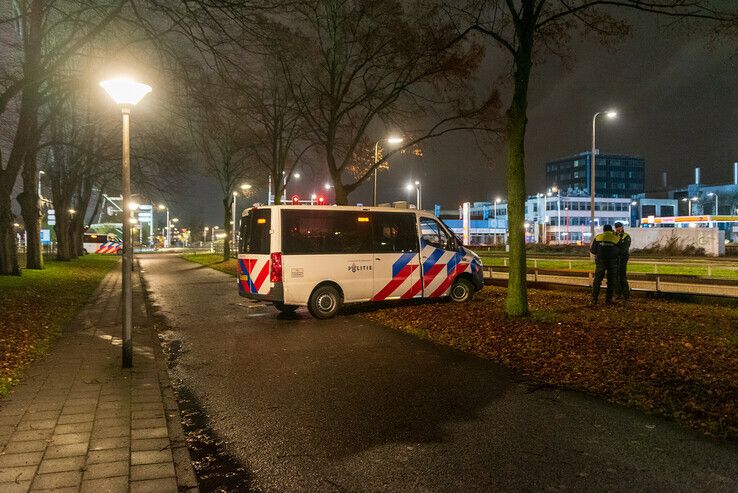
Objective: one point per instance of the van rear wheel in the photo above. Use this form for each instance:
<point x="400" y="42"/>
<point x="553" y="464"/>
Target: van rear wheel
<point x="285" y="308"/>
<point x="462" y="290"/>
<point x="325" y="302"/>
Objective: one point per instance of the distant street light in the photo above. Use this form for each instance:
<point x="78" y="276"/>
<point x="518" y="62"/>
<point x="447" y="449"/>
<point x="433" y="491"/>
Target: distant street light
<point x="40" y="172"/>
<point x="126" y="93"/>
<point x="167" y="234"/>
<point x="716" y="211"/>
<point x="416" y="185"/>
<point x="390" y="140"/>
<point x="689" y="203"/>
<point x="609" y="114"/>
<point x="233" y="228"/>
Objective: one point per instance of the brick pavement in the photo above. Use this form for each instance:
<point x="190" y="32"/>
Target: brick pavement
<point x="79" y="422"/>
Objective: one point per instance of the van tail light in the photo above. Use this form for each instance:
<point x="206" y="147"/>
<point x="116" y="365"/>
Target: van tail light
<point x="276" y="267"/>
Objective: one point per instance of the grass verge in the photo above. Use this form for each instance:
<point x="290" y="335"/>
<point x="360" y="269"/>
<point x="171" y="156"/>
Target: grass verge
<point x="35" y="306"/>
<point x="674" y="359"/>
<point x="214" y="261"/>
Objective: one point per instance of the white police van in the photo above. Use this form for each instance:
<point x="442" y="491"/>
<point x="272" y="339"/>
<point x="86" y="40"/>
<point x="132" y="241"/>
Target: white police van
<point x="322" y="257"/>
<point x="107" y="244"/>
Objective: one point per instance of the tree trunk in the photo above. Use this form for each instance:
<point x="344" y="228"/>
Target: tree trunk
<point x="227" y="227"/>
<point x="8" y="242"/>
<point x="341" y="193"/>
<point x="517" y="292"/>
<point x="29" y="199"/>
<point x="63" y="248"/>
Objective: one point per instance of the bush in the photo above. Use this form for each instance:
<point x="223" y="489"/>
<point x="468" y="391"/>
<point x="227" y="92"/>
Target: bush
<point x="672" y="248"/>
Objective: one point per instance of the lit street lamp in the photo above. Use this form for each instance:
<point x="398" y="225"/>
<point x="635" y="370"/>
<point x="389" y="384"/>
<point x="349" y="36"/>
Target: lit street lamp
<point x="40" y="172"/>
<point x="689" y="203"/>
<point x="713" y="194"/>
<point x="390" y="140"/>
<point x="126" y="93"/>
<point x="167" y="236"/>
<point x="609" y="114"/>
<point x="416" y="185"/>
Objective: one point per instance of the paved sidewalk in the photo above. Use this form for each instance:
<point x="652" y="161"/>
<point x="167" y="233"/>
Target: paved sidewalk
<point x="80" y="422"/>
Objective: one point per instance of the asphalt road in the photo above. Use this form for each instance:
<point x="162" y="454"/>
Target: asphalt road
<point x="347" y="405"/>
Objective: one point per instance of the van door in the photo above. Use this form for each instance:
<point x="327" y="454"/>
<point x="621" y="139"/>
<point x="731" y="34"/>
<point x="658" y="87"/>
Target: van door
<point x="396" y="256"/>
<point x="253" y="253"/>
<point x="440" y="257"/>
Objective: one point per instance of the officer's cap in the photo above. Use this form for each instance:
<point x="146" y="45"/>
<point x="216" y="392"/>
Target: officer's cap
<point x="606" y="227"/>
<point x="618" y="224"/>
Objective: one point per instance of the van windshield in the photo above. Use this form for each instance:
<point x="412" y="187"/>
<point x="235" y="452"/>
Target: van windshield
<point x="255" y="228"/>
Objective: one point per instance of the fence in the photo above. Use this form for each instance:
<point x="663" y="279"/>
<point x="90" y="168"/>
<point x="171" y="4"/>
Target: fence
<point x="656" y="283"/>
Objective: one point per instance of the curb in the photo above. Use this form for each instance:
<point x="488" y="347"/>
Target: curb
<point x="186" y="477"/>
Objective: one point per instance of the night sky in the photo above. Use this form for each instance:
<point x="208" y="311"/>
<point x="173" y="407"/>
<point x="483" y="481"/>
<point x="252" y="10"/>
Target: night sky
<point x="675" y="93"/>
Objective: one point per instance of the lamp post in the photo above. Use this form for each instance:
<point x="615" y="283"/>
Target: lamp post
<point x="233" y="227"/>
<point x="167" y="239"/>
<point x="205" y="235"/>
<point x="416" y="185"/>
<point x="126" y="93"/>
<point x="390" y="140"/>
<point x="689" y="204"/>
<point x="40" y="172"/>
<point x="713" y="194"/>
<point x="610" y="114"/>
<point x="212" y="240"/>
<point x="632" y="204"/>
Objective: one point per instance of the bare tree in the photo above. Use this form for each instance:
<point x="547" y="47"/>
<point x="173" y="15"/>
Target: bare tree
<point x="370" y="65"/>
<point x="220" y="138"/>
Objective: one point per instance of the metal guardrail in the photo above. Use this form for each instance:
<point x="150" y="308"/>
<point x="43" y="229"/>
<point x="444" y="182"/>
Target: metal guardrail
<point x="657" y="283"/>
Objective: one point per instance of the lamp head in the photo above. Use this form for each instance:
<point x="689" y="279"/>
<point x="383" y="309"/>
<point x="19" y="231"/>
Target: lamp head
<point x="611" y="114"/>
<point x="162" y="207"/>
<point x="327" y="186"/>
<point x="125" y="91"/>
<point x="245" y="186"/>
<point x="296" y="175"/>
<point x="394" y="139"/>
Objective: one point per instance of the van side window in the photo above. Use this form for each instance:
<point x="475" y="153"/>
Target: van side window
<point x="395" y="232"/>
<point x="432" y="233"/>
<point x="311" y="232"/>
<point x="255" y="228"/>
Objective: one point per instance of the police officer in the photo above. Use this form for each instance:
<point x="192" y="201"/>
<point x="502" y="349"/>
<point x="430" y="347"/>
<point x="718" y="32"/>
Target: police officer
<point x="606" y="250"/>
<point x="624" y="245"/>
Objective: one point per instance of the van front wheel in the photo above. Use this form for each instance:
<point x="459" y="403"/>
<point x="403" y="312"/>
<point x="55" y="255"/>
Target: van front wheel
<point x="462" y="290"/>
<point x="285" y="308"/>
<point x="324" y="302"/>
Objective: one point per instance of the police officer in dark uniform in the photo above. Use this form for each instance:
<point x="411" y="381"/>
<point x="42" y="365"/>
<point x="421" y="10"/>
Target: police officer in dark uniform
<point x="606" y="249"/>
<point x="624" y="245"/>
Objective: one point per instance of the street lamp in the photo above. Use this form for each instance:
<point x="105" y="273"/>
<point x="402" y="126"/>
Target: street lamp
<point x="632" y="204"/>
<point x="215" y="228"/>
<point x="40" y="172"/>
<point x="390" y="140"/>
<point x="126" y="93"/>
<point x="167" y="236"/>
<point x="415" y="185"/>
<point x="711" y="194"/>
<point x="233" y="227"/>
<point x="689" y="203"/>
<point x="609" y="114"/>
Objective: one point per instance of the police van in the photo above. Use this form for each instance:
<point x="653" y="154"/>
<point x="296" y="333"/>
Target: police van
<point x="108" y="244"/>
<point x="322" y="257"/>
